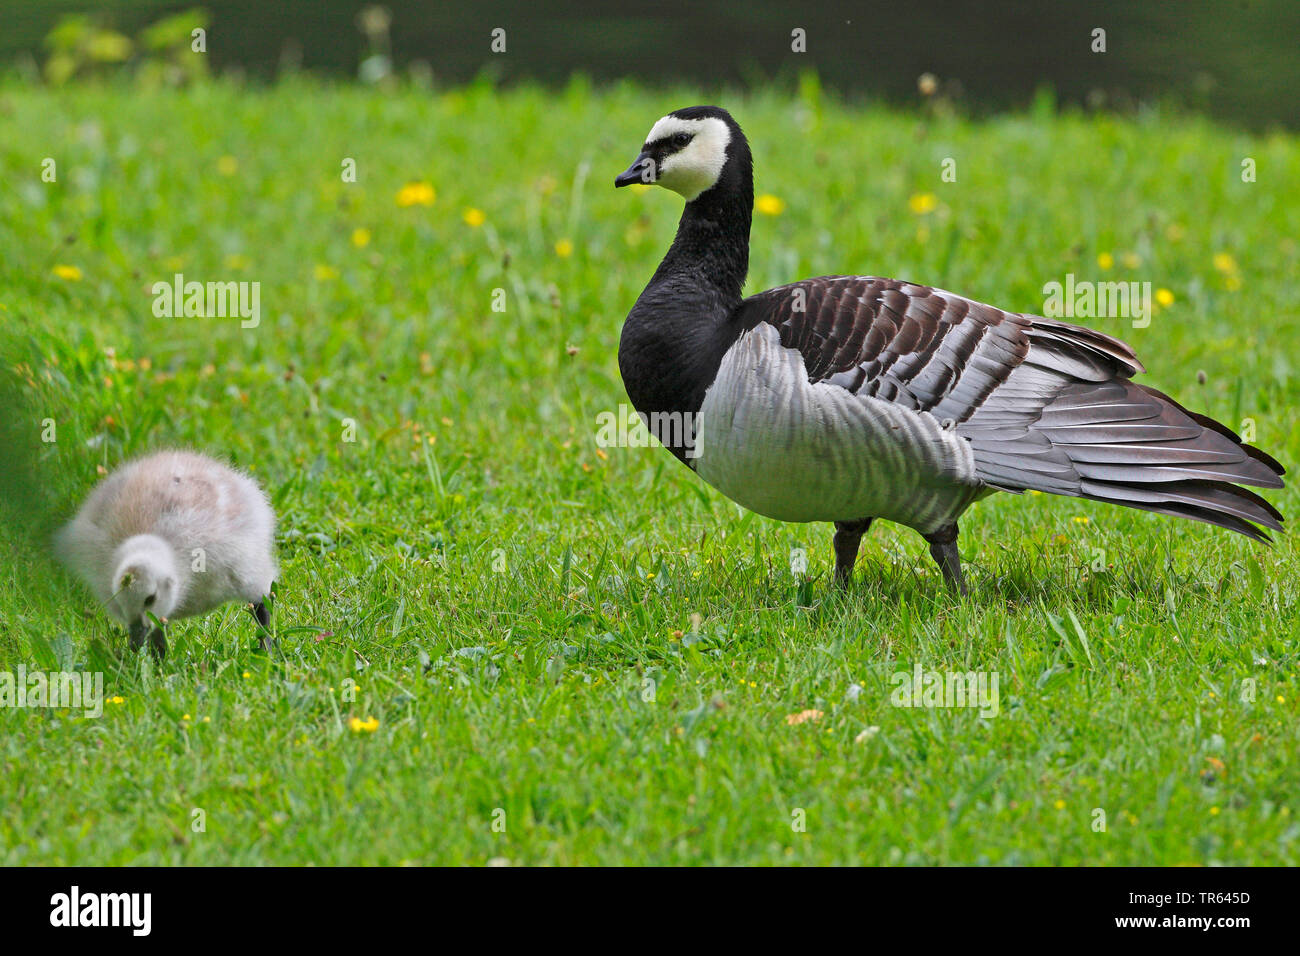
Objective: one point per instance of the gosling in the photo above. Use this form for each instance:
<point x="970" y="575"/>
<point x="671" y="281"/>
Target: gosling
<point x="169" y="536"/>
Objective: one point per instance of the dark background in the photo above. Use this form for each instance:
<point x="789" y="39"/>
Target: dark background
<point x="1236" y="59"/>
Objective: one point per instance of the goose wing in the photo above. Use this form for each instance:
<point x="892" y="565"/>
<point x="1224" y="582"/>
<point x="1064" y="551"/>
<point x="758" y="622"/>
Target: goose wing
<point x="1044" y="405"/>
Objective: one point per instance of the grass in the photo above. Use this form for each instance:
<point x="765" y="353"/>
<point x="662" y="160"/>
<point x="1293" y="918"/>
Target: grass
<point x="588" y="646"/>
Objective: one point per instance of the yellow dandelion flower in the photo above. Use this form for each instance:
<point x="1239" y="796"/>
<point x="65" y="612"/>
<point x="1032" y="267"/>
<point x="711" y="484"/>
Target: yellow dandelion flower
<point x="360" y="237"/>
<point x="474" y="217"/>
<point x="247" y="674"/>
<point x="1224" y="262"/>
<point x="367" y="726"/>
<point x="1060" y="804"/>
<point x="922" y="203"/>
<point x="769" y="205"/>
<point x="1080" y="519"/>
<point x="1281" y="699"/>
<point x="1164" y="297"/>
<point x="1105" y="260"/>
<point x="186" y="717"/>
<point x="325" y="273"/>
<point x="416" y="194"/>
<point x="1034" y="491"/>
<point x="70" y="273"/>
<point x="564" y="248"/>
<point x="227" y="165"/>
<point x="1214" y="811"/>
<point x="117" y="700"/>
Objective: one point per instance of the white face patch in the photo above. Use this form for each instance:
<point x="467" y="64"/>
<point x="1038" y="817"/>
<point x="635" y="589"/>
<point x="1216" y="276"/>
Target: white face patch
<point x="697" y="166"/>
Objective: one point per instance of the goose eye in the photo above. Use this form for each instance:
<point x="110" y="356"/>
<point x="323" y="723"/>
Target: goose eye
<point x="681" y="139"/>
<point x="148" y="602"/>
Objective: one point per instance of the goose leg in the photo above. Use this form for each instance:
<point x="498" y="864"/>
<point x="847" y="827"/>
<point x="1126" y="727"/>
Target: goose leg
<point x="263" y="617"/>
<point x="848" y="537"/>
<point x="943" y="548"/>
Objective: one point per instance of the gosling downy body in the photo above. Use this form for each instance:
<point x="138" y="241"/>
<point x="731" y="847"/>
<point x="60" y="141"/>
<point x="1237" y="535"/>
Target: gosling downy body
<point x="172" y="535"/>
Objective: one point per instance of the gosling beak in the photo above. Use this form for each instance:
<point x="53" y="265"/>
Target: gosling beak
<point x="641" y="171"/>
<point x="138" y="631"/>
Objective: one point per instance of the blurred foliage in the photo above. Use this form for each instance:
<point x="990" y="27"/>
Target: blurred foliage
<point x="374" y="22"/>
<point x="170" y="52"/>
<point x="77" y="46"/>
<point x="1234" y="60"/>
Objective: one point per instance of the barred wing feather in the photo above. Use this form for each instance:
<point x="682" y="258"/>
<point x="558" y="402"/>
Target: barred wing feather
<point x="1044" y="405"/>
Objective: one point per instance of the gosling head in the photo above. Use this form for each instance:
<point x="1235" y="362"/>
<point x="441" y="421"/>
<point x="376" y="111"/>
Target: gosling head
<point x="146" y="580"/>
<point x="692" y="151"/>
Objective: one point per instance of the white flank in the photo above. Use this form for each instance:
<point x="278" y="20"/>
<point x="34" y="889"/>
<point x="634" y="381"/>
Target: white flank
<point x="797" y="451"/>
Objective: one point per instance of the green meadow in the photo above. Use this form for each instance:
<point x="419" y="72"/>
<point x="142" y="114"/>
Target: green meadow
<point x="502" y="642"/>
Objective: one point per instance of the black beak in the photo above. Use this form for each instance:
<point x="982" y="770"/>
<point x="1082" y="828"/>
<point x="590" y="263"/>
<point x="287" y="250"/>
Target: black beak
<point x="145" y="630"/>
<point x="641" y="171"/>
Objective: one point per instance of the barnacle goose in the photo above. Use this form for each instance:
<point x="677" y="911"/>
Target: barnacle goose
<point x="851" y="398"/>
<point x="173" y="534"/>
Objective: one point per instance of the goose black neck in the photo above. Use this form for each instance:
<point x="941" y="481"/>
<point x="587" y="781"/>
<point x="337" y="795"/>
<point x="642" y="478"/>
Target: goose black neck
<point x="676" y="335"/>
<point x="712" y="242"/>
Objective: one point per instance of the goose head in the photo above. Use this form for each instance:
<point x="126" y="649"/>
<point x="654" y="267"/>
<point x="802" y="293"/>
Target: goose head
<point x="146" y="580"/>
<point x="692" y="151"/>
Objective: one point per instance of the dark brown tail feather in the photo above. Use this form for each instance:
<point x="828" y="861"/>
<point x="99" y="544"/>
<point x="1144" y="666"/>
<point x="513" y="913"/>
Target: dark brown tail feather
<point x="1161" y="458"/>
<point x="1206" y="421"/>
